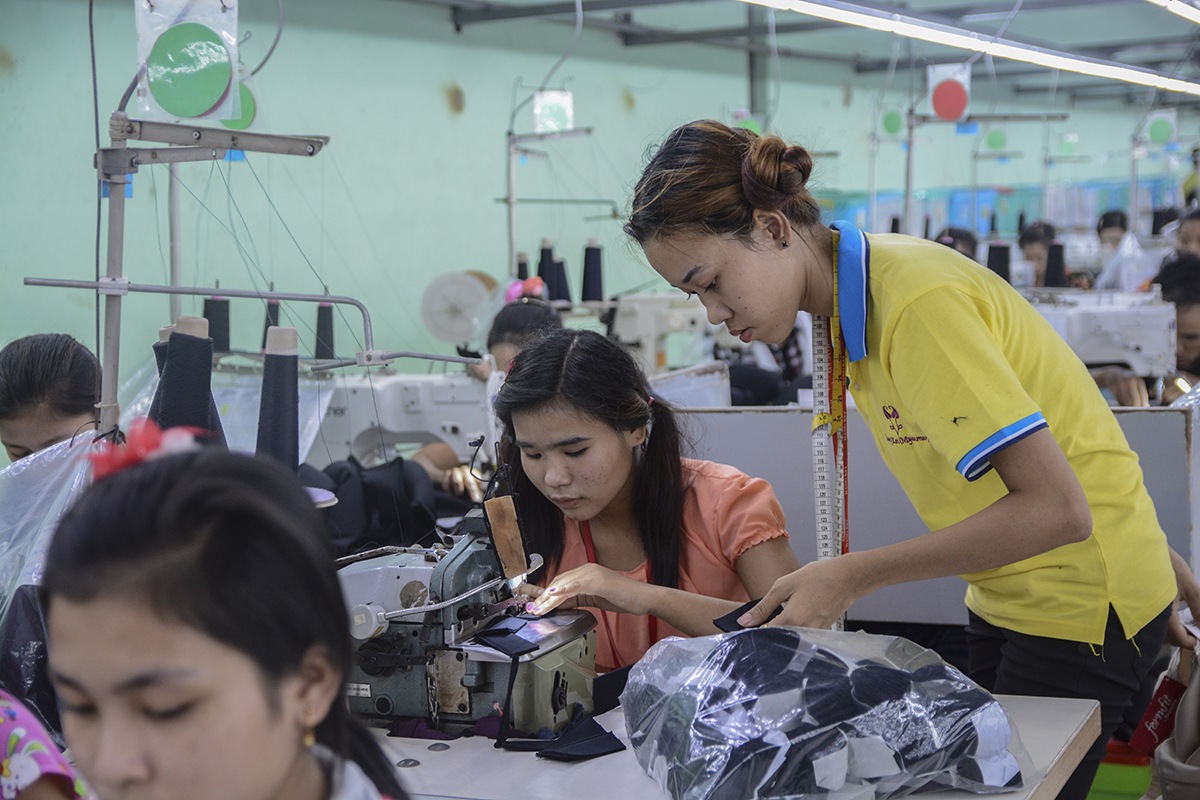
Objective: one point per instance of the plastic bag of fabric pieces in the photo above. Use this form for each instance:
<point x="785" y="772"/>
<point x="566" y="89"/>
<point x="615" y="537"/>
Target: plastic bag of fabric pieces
<point x="801" y="713"/>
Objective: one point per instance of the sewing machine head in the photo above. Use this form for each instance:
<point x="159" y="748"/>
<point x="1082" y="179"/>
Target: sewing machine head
<point x="415" y="611"/>
<point x="1136" y="329"/>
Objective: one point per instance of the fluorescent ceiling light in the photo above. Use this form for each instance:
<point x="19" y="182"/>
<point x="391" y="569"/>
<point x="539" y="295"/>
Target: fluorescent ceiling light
<point x="981" y="43"/>
<point x="1180" y="7"/>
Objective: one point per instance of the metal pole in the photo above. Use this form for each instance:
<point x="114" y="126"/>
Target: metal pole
<point x="510" y="200"/>
<point x="873" y="185"/>
<point x="111" y="358"/>
<point x="173" y="237"/>
<point x="908" y="172"/>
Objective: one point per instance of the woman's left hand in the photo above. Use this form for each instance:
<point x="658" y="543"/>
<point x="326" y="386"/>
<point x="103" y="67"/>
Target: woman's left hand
<point x="594" y="586"/>
<point x="1189" y="593"/>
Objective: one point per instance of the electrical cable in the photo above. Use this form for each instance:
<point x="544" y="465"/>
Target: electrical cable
<point x="512" y="119"/>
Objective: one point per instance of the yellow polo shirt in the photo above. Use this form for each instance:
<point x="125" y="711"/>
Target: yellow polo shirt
<point x="957" y="367"/>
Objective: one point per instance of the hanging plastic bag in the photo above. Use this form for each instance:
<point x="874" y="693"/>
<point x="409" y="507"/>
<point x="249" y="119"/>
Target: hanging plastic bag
<point x="1176" y="766"/>
<point x="187" y="60"/>
<point x="801" y="713"/>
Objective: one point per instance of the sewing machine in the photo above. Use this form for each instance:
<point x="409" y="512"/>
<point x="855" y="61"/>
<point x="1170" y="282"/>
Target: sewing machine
<point x="643" y="322"/>
<point x="415" y="611"/>
<point x="369" y="413"/>
<point x="1136" y="329"/>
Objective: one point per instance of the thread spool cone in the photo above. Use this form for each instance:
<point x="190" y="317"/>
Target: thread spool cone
<point x="593" y="282"/>
<point x="216" y="311"/>
<point x="999" y="259"/>
<point x="324" y="345"/>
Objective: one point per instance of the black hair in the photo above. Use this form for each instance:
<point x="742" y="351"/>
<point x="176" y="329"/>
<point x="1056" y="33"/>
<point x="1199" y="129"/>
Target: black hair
<point x="520" y="321"/>
<point x="1113" y="218"/>
<point x="230" y="545"/>
<point x="588" y="372"/>
<point x="1039" y="232"/>
<point x="1179" y="278"/>
<point x="47" y="369"/>
<point x="952" y="237"/>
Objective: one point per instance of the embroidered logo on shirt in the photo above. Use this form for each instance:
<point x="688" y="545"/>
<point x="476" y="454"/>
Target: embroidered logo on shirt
<point x="895" y="425"/>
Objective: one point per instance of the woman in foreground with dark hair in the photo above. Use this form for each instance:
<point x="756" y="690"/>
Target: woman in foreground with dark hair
<point x="199" y="641"/>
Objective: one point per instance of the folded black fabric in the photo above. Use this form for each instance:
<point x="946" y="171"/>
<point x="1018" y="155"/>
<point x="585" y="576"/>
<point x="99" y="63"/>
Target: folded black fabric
<point x="505" y="637"/>
<point x="729" y="622"/>
<point x="586" y="740"/>
<point x="607" y="688"/>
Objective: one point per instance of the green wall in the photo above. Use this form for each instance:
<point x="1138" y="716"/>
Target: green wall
<point x="407" y="188"/>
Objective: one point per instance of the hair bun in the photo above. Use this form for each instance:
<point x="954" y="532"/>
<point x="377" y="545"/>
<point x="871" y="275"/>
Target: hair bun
<point x="774" y="173"/>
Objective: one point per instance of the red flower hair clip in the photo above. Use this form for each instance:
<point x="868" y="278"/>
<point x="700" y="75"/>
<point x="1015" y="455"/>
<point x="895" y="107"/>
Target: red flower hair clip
<point x="144" y="440"/>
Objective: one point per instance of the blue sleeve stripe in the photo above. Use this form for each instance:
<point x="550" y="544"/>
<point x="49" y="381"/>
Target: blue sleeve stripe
<point x="977" y="462"/>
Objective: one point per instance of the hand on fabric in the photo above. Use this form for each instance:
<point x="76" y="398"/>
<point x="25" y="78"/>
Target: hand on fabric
<point x="594" y="586"/>
<point x="459" y="481"/>
<point x="814" y="596"/>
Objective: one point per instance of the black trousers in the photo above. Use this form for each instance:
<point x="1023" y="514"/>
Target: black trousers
<point x="1005" y="662"/>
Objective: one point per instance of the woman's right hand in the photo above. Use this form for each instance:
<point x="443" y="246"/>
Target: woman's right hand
<point x="596" y="587"/>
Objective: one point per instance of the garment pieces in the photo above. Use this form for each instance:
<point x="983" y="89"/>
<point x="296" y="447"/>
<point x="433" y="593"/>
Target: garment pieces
<point x="801" y="713"/>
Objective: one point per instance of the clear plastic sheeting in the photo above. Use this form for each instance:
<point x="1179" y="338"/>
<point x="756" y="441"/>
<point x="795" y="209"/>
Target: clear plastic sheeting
<point x="34" y="493"/>
<point x="800" y="713"/>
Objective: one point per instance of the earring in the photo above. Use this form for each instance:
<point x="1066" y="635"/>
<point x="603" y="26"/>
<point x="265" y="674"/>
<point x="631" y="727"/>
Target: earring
<point x="784" y="243"/>
<point x="310" y="738"/>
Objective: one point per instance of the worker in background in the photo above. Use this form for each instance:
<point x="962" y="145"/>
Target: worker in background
<point x="959" y="239"/>
<point x="514" y="325"/>
<point x="1180" y="282"/>
<point x="657" y="544"/>
<point x="1187" y="237"/>
<point x="1035" y="243"/>
<point x="1191" y="183"/>
<point x="1028" y="486"/>
<point x="47" y="392"/>
<point x="1111" y="228"/>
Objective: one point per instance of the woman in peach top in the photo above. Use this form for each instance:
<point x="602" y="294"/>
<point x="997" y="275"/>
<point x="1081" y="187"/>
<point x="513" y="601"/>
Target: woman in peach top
<point x="652" y="543"/>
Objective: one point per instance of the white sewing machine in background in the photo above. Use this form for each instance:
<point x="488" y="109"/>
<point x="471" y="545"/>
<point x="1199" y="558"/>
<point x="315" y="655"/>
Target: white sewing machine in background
<point x="1136" y="329"/>
<point x="644" y="323"/>
<point x="369" y="413"/>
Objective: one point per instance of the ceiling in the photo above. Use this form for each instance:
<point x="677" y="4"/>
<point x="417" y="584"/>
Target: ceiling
<point x="1132" y="32"/>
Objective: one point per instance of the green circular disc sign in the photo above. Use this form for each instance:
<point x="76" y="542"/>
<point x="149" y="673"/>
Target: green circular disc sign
<point x="892" y="122"/>
<point x="248" y="110"/>
<point x="189" y="70"/>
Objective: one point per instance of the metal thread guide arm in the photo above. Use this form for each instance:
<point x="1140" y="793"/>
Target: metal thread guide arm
<point x="114" y="164"/>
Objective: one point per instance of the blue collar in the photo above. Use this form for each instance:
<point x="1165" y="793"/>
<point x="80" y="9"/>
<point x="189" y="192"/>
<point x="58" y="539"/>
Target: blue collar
<point x="853" y="272"/>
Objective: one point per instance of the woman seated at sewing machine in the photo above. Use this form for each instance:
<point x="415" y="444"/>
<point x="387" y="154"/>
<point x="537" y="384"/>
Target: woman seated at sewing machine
<point x="47" y="392"/>
<point x="654" y="544"/>
<point x="198" y="635"/>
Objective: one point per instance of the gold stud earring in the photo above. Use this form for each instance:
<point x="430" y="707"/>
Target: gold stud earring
<point x="310" y="738"/>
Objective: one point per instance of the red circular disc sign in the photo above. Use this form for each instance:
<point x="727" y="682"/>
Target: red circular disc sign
<point x="950" y="100"/>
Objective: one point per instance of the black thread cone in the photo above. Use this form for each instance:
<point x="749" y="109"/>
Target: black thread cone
<point x="593" y="283"/>
<point x="271" y="320"/>
<point x="278" y="410"/>
<point x="999" y="258"/>
<point x="216" y="311"/>
<point x="324" y="348"/>
<point x="562" y="290"/>
<point x="1056" y="273"/>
